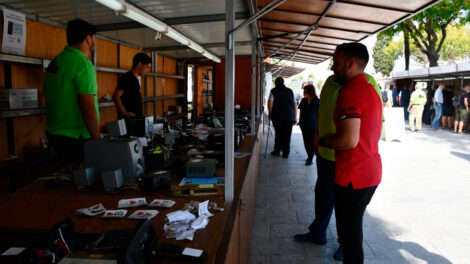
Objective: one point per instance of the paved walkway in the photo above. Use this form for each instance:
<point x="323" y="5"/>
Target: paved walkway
<point x="419" y="214"/>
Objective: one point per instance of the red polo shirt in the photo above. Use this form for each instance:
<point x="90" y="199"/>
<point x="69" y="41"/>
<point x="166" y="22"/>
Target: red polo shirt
<point x="361" y="166"/>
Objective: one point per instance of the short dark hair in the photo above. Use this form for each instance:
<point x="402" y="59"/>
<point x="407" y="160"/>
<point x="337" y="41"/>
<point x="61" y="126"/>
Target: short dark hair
<point x="78" y="30"/>
<point x="356" y="51"/>
<point x="279" y="81"/>
<point x="142" y="58"/>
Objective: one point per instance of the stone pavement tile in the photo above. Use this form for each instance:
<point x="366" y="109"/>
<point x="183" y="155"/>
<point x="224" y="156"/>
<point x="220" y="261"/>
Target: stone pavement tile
<point x="324" y="251"/>
<point x="276" y="247"/>
<point x="276" y="215"/>
<point x="259" y="260"/>
<point x="303" y="196"/>
<point x="276" y="180"/>
<point x="304" y="180"/>
<point x="260" y="229"/>
<point x="275" y="194"/>
<point x="305" y="217"/>
<point x="302" y="260"/>
<point x="287" y="230"/>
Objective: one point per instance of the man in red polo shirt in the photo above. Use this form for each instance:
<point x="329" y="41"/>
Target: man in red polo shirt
<point x="358" y="169"/>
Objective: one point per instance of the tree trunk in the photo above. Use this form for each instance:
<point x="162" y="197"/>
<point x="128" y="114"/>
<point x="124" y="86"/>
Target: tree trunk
<point x="407" y="46"/>
<point x="433" y="58"/>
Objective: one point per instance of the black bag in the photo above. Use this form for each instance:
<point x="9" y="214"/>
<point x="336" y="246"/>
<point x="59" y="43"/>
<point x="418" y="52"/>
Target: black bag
<point x="456" y="99"/>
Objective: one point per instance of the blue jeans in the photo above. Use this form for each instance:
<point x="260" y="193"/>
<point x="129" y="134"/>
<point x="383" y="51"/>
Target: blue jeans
<point x="324" y="197"/>
<point x="435" y="121"/>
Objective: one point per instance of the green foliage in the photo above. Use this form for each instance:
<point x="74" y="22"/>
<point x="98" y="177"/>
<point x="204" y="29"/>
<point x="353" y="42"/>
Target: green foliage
<point x="384" y="55"/>
<point x="457" y="45"/>
<point x="428" y="29"/>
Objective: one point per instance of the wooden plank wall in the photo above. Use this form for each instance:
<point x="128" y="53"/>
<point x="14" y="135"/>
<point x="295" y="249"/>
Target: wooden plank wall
<point x="29" y="130"/>
<point x="242" y="83"/>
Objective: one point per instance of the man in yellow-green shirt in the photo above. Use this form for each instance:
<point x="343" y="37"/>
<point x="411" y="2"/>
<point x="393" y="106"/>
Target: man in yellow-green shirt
<point x="324" y="187"/>
<point x="416" y="108"/>
<point x="71" y="91"/>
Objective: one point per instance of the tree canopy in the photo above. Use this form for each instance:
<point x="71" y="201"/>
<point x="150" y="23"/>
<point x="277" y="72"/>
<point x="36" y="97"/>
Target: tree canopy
<point x="429" y="29"/>
<point x="383" y="56"/>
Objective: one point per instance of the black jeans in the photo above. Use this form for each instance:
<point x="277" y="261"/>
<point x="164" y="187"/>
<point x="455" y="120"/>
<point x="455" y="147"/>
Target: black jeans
<point x="282" y="134"/>
<point x="67" y="149"/>
<point x="350" y="206"/>
<point x="324" y="197"/>
<point x="308" y="136"/>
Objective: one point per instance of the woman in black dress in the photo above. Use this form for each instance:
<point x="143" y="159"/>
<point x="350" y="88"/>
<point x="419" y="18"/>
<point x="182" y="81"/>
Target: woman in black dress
<point x="308" y="119"/>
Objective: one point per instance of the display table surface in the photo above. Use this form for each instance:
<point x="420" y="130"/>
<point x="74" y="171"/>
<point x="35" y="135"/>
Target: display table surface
<point x="37" y="207"/>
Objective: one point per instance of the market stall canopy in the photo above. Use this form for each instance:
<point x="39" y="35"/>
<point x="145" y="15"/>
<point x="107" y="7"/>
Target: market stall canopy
<point x="300" y="30"/>
<point x="309" y="30"/>
<point x="283" y="70"/>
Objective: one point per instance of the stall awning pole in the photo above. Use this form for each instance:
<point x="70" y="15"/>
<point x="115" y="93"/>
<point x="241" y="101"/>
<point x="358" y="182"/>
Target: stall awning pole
<point x="229" y="95"/>
<point x="253" y="78"/>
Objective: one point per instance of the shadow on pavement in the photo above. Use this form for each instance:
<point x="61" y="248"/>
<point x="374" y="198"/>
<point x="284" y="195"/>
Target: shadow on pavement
<point x="461" y="155"/>
<point x="389" y="250"/>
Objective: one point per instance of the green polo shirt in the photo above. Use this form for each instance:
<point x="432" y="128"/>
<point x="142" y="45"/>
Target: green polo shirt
<point x="418" y="97"/>
<point x="69" y="74"/>
<point x="326" y="125"/>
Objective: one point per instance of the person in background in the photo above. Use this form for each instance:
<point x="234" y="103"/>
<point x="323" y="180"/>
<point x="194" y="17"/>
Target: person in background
<point x="463" y="110"/>
<point x="389" y="102"/>
<point x="428" y="107"/>
<point x="308" y="120"/>
<point x="447" y="107"/>
<point x="395" y="96"/>
<point x="71" y="92"/>
<point x="416" y="108"/>
<point x="127" y="96"/>
<point x="283" y="112"/>
<point x="438" y="101"/>
<point x="405" y="100"/>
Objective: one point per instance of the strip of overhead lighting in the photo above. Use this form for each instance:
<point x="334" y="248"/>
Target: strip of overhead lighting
<point x="134" y="13"/>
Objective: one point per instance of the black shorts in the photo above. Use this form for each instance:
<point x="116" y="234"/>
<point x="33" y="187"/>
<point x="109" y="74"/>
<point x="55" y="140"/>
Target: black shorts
<point x="447" y="110"/>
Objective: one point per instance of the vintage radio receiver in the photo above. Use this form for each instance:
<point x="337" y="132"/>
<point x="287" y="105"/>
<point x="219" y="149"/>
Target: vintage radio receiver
<point x="200" y="168"/>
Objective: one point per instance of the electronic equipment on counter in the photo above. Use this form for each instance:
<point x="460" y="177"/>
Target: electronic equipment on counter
<point x="157" y="158"/>
<point x="116" y="128"/>
<point x="19" y="246"/>
<point x="140" y="126"/>
<point x="112" y="180"/>
<point x="216" y="139"/>
<point x="84" y="177"/>
<point x="151" y="181"/>
<point x="106" y="154"/>
<point x="127" y="246"/>
<point x="199" y="168"/>
<point x="193" y="190"/>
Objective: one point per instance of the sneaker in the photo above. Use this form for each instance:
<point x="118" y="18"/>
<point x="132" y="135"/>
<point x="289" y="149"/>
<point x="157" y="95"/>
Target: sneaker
<point x="309" y="238"/>
<point x="338" y="254"/>
<point x="276" y="153"/>
<point x="285" y="156"/>
<point x="308" y="163"/>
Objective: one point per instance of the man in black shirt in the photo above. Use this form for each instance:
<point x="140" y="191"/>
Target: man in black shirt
<point x="463" y="110"/>
<point x="127" y="96"/>
<point x="283" y="112"/>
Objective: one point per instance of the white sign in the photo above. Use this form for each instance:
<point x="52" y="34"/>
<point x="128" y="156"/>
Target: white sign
<point x="14" y="32"/>
<point x="394" y="123"/>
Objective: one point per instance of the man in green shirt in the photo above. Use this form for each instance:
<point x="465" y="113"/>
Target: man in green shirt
<point x="416" y="108"/>
<point x="70" y="90"/>
<point x="324" y="187"/>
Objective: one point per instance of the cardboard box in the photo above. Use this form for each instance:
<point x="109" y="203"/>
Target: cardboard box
<point x="18" y="98"/>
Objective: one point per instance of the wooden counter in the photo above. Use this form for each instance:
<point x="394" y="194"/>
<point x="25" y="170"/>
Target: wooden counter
<point x="226" y="238"/>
